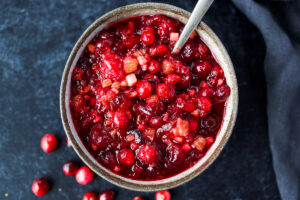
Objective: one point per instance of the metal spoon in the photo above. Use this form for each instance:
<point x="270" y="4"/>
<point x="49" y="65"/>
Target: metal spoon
<point x="195" y="18"/>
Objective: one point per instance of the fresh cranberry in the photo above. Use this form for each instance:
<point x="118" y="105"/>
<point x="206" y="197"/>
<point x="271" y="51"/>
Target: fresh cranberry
<point x="172" y="78"/>
<point x="138" y="198"/>
<point x="40" y="187"/>
<point x="49" y="143"/>
<point x="189" y="106"/>
<point x="159" y="50"/>
<point x="163" y="195"/>
<point x="207" y="92"/>
<point x="120" y="119"/>
<point x="174" y="155"/>
<point x="154" y="67"/>
<point x="89" y="196"/>
<point x="126" y="157"/>
<point x="185" y="77"/>
<point x="70" y="168"/>
<point x="222" y="92"/>
<point x="166" y="27"/>
<point x="69" y="144"/>
<point x="162" y="90"/>
<point x="147" y="154"/>
<point x="151" y="78"/>
<point x="84" y="175"/>
<point x="148" y="36"/>
<point x="144" y="89"/>
<point x="189" y="51"/>
<point x="216" y="71"/>
<point x="210" y="123"/>
<point x="99" y="138"/>
<point x="201" y="68"/>
<point x="203" y="50"/>
<point x="212" y="81"/>
<point x="107" y="195"/>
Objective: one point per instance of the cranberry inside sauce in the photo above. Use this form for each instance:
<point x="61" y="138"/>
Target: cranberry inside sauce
<point x="142" y="112"/>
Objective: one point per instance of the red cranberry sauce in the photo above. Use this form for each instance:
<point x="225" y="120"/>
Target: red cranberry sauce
<point x="142" y="112"/>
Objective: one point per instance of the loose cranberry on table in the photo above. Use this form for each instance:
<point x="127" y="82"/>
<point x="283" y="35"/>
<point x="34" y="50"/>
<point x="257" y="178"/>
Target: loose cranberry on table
<point x="141" y="111"/>
<point x="138" y="198"/>
<point x="163" y="195"/>
<point x="49" y="143"/>
<point x="68" y="142"/>
<point x="84" y="175"/>
<point x="70" y="168"/>
<point x="90" y="196"/>
<point x="107" y="195"/>
<point x="40" y="187"/>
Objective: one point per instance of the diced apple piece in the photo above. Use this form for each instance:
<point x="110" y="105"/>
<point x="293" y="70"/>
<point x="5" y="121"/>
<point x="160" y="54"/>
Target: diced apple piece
<point x="106" y="83"/>
<point x="113" y="132"/>
<point x="199" y="143"/>
<point x="178" y="139"/>
<point x="174" y="131"/>
<point x="183" y="127"/>
<point x="142" y="60"/>
<point x="144" y="67"/>
<point x="116" y="85"/>
<point x="130" y="137"/>
<point x="152" y="99"/>
<point x="167" y="67"/>
<point x="196" y="113"/>
<point x="132" y="94"/>
<point x="124" y="83"/>
<point x="174" y="36"/>
<point x="131" y="79"/>
<point x="115" y="91"/>
<point x="130" y="64"/>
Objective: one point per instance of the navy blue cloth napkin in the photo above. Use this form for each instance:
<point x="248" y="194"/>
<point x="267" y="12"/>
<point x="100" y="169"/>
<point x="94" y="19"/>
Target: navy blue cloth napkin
<point x="279" y="23"/>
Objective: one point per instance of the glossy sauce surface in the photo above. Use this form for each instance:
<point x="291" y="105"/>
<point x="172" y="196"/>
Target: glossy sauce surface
<point x="142" y="112"/>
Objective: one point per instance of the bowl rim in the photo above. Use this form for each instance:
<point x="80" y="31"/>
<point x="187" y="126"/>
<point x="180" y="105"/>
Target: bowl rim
<point x="210" y="38"/>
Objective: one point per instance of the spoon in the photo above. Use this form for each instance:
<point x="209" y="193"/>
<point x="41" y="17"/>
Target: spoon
<point x="195" y="18"/>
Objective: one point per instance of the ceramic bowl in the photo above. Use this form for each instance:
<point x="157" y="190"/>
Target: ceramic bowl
<point x="219" y="53"/>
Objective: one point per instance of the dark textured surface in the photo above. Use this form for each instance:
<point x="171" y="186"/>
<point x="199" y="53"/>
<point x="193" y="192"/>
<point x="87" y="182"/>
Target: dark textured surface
<point x="35" y="40"/>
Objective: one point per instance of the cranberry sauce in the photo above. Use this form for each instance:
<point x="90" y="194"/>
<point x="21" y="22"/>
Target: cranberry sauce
<point x="142" y="112"/>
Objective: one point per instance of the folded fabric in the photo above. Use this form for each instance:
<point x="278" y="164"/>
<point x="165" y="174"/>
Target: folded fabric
<point x="282" y="72"/>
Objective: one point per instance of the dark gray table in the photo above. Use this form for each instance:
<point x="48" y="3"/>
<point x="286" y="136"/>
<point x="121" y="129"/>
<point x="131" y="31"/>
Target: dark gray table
<point x="35" y="40"/>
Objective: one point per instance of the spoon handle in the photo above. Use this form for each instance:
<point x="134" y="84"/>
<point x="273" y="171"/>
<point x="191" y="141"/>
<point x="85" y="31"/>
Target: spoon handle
<point x="195" y="18"/>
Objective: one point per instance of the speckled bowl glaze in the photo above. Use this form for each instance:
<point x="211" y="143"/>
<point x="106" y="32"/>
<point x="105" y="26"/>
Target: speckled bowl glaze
<point x="219" y="53"/>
